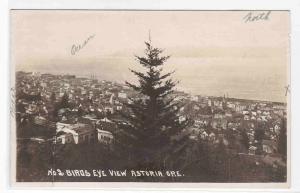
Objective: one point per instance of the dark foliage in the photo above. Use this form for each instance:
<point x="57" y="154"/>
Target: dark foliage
<point x="282" y="141"/>
<point x="149" y="139"/>
<point x="245" y="139"/>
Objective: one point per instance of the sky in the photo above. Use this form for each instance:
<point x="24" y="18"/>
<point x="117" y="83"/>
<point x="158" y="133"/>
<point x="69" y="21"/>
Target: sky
<point x="212" y="52"/>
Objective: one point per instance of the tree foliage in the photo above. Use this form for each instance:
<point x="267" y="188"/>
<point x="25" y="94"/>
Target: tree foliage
<point x="53" y="97"/>
<point x="64" y="103"/>
<point x="245" y="139"/>
<point x="282" y="141"/>
<point x="153" y="133"/>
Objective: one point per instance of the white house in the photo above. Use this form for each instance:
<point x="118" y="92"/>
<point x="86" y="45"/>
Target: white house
<point x="212" y="136"/>
<point x="122" y="95"/>
<point x="74" y="133"/>
<point x="105" y="137"/>
<point x="203" y="135"/>
<point x="252" y="150"/>
<point x="182" y="118"/>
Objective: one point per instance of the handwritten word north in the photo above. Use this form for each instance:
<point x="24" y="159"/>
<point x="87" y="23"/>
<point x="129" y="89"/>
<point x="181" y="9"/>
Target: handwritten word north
<point x="254" y="16"/>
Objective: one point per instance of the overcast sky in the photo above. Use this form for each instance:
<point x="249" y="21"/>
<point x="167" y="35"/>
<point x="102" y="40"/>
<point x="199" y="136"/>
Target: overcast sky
<point x="213" y="52"/>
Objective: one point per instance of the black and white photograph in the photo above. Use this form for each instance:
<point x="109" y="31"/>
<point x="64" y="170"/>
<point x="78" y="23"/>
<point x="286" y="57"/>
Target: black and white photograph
<point x="150" y="96"/>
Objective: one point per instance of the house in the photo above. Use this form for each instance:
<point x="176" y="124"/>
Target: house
<point x="196" y="107"/>
<point x="246" y="117"/>
<point x="122" y="95"/>
<point x="119" y="107"/>
<point x="182" y="119"/>
<point x="105" y="129"/>
<point x="109" y="108"/>
<point x="269" y="146"/>
<point x="219" y="123"/>
<point x="212" y="136"/>
<point x="106" y="124"/>
<point x="277" y="129"/>
<point x="203" y="135"/>
<point x="89" y="119"/>
<point x="83" y="92"/>
<point x="239" y="108"/>
<point x="228" y="114"/>
<point x="210" y="102"/>
<point x="252" y="150"/>
<point x="74" y="133"/>
<point x="194" y="98"/>
<point x="194" y="131"/>
<point x="105" y="137"/>
<point x="193" y="137"/>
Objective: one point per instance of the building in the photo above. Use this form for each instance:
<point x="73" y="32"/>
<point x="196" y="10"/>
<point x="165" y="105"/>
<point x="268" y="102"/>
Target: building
<point x="269" y="146"/>
<point x="74" y="133"/>
<point x="122" y="95"/>
<point x="105" y="137"/>
<point x="252" y="150"/>
<point x="219" y="123"/>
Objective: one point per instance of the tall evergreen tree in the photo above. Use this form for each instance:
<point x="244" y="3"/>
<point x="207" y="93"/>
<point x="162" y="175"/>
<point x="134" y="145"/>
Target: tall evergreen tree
<point x="259" y="135"/>
<point x="53" y="98"/>
<point x="154" y="131"/>
<point x="282" y="139"/>
<point x="245" y="139"/>
<point x="64" y="103"/>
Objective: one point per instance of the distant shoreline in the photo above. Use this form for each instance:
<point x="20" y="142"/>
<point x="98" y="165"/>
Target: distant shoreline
<point x="178" y="89"/>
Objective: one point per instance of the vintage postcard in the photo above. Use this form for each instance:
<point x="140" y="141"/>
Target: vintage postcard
<point x="154" y="98"/>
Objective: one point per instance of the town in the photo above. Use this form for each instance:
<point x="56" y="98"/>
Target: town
<point x="66" y="109"/>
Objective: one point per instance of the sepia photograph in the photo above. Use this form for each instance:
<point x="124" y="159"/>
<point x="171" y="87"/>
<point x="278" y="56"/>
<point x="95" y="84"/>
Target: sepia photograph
<point x="150" y="96"/>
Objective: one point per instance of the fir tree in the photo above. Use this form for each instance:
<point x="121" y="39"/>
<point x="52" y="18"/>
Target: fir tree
<point x="64" y="103"/>
<point x="259" y="135"/>
<point x="245" y="139"/>
<point x="53" y="98"/>
<point x="153" y="133"/>
<point x="53" y="107"/>
<point x="282" y="139"/>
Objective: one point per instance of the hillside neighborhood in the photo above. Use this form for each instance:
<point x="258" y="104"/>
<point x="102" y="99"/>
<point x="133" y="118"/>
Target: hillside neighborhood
<point x="66" y="109"/>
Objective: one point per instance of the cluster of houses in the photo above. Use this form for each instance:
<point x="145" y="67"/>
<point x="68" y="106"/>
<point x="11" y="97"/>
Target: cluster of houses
<point x="83" y="133"/>
<point x="89" y="130"/>
<point x="86" y="95"/>
<point x="213" y="117"/>
<point x="94" y="105"/>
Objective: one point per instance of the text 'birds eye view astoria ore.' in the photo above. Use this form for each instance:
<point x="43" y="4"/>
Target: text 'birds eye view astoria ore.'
<point x="150" y="96"/>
